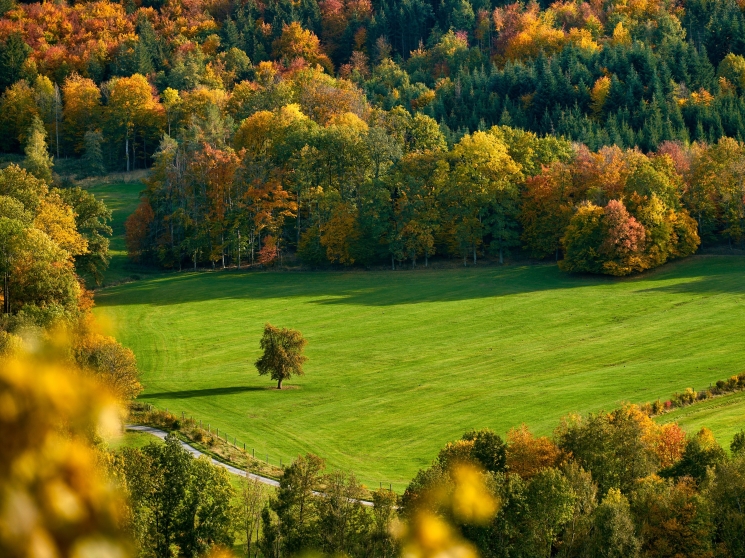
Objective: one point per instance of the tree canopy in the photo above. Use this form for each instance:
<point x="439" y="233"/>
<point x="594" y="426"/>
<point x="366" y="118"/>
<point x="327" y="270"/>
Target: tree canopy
<point x="282" y="355"/>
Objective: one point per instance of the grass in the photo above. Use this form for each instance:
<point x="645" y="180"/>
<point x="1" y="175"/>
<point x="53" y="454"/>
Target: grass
<point x="132" y="439"/>
<point x="122" y="198"/>
<point x="724" y="415"/>
<point x="402" y="362"/>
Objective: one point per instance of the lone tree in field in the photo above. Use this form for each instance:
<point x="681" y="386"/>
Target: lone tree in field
<point x="283" y="353"/>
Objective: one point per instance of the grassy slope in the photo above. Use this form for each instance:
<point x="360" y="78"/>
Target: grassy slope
<point x="131" y="439"/>
<point x="723" y="415"/>
<point x="402" y="362"/>
<point x="122" y="199"/>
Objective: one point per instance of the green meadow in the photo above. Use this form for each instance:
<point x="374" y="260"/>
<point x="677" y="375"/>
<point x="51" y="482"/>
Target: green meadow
<point x="724" y="415"/>
<point x="401" y="362"/>
<point x="122" y="199"/>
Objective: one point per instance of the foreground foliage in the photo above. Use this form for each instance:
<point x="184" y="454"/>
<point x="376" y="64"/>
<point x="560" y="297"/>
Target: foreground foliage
<point x="56" y="498"/>
<point x="608" y="484"/>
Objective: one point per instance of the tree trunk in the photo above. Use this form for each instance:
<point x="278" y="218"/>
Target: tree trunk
<point x="279" y="383"/>
<point x="501" y="258"/>
<point x="393" y="263"/>
<point x="239" y="249"/>
<point x="556" y="254"/>
<point x="126" y="148"/>
<point x="57" y="101"/>
<point x="297" y="242"/>
<point x="6" y="294"/>
<point x="474" y="252"/>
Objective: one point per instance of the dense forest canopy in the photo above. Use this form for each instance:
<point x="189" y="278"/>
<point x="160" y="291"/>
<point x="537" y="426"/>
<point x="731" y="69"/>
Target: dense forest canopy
<point x="360" y="133"/>
<point x="629" y="73"/>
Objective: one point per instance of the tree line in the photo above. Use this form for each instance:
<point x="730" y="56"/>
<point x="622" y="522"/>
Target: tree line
<point x="367" y="186"/>
<point x="179" y="505"/>
<point x="49" y="239"/>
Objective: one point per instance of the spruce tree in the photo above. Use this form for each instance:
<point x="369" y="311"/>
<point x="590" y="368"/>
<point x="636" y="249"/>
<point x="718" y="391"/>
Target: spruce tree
<point x="93" y="156"/>
<point x="13" y="54"/>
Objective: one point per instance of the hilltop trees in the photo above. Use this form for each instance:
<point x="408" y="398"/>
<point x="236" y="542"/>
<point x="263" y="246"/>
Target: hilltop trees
<point x="132" y="108"/>
<point x="593" y="73"/>
<point x="282" y="355"/>
<point x="364" y="134"/>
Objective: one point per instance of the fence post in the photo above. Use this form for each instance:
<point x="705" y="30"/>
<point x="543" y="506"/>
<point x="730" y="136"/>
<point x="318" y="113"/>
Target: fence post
<point x="253" y="453"/>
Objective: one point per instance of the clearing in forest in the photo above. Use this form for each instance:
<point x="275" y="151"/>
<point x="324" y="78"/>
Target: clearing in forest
<point x="401" y="362"/>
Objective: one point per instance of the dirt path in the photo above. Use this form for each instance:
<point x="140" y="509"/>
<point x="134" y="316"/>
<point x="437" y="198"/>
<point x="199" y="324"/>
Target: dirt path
<point x="196" y="453"/>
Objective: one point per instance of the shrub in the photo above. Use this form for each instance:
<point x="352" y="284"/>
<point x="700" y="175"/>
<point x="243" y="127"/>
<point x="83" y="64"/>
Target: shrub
<point x="687" y="397"/>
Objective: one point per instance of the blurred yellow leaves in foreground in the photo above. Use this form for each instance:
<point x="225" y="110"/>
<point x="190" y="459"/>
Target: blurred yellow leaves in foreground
<point x="55" y="500"/>
<point x="431" y="531"/>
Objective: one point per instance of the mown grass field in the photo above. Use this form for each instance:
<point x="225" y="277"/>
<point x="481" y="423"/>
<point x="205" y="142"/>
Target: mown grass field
<point x="724" y="415"/>
<point x="122" y="199"/>
<point x="132" y="439"/>
<point x="401" y="362"/>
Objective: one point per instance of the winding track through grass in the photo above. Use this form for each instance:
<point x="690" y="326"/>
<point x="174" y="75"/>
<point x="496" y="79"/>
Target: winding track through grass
<point x="402" y="362"/>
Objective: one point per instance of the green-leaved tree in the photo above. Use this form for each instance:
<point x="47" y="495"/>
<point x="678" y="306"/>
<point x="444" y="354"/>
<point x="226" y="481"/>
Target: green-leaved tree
<point x="38" y="161"/>
<point x="283" y="354"/>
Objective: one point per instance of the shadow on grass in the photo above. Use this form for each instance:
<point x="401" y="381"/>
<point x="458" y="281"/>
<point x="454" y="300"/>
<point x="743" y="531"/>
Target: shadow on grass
<point x="712" y="274"/>
<point x="189" y="393"/>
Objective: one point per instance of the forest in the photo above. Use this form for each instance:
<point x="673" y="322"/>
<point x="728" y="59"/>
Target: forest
<point x="605" y="135"/>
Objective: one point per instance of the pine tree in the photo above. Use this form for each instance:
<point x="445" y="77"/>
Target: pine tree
<point x="93" y="156"/>
<point x="13" y="54"/>
<point x="38" y="161"/>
